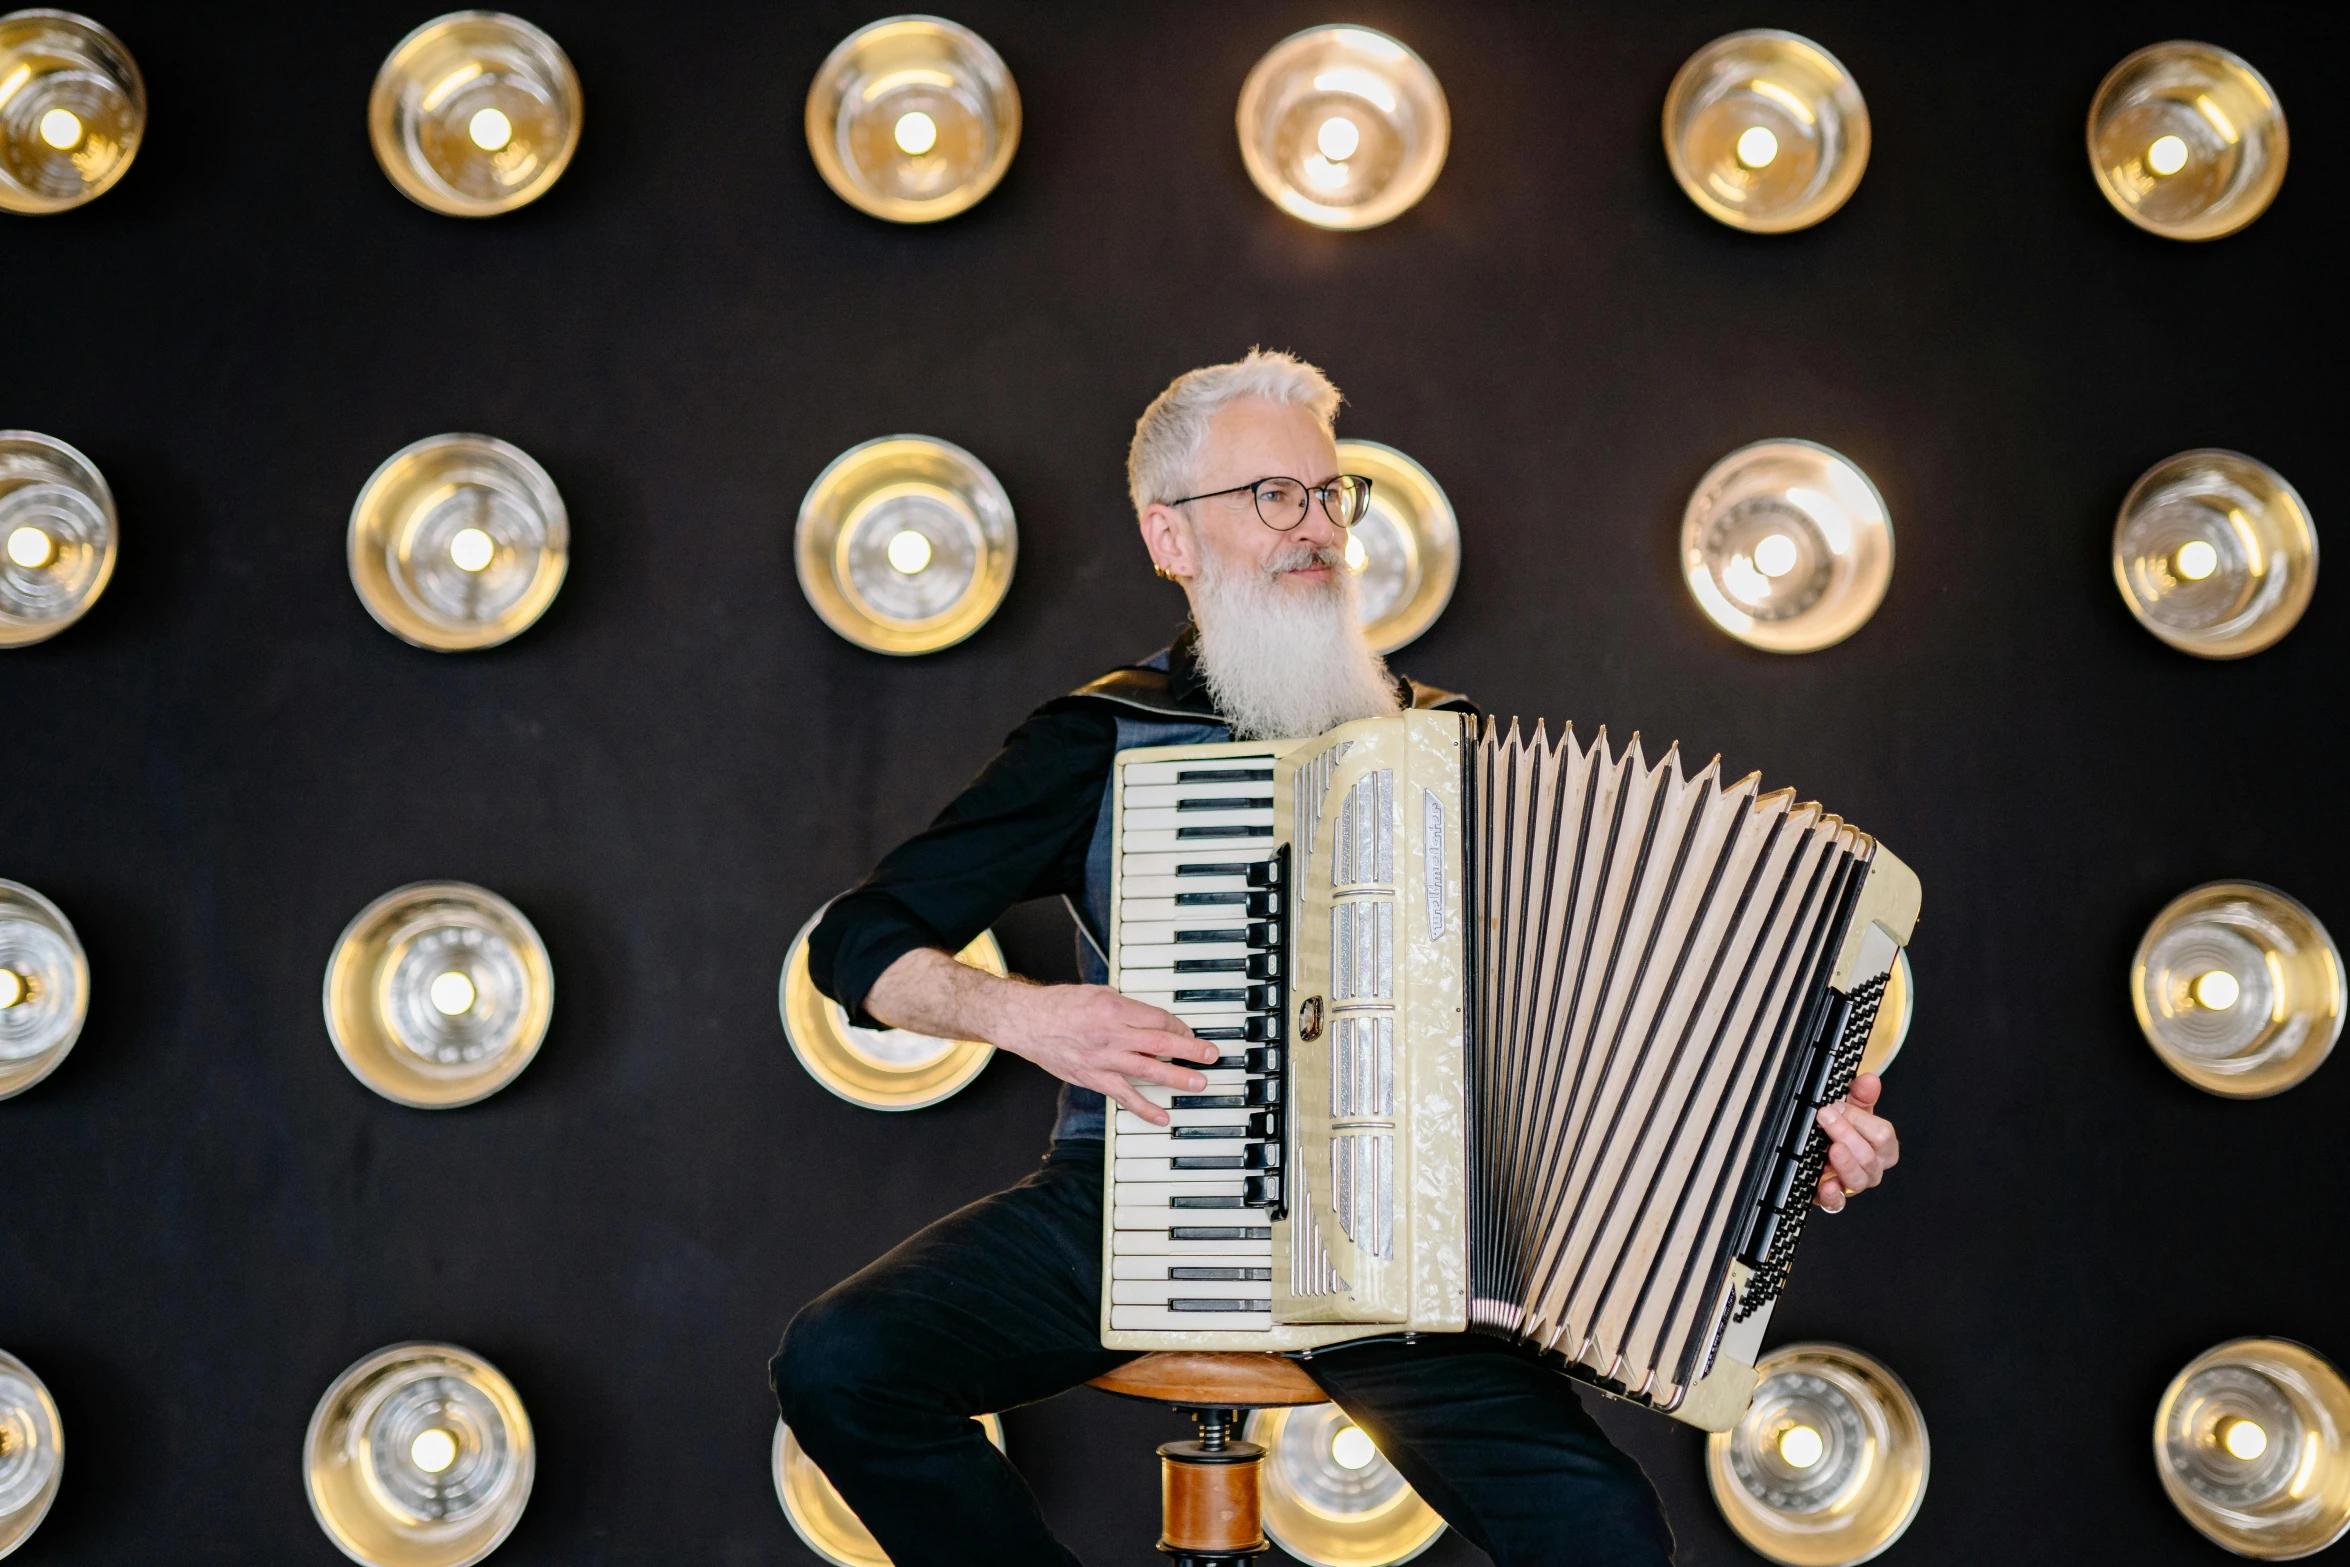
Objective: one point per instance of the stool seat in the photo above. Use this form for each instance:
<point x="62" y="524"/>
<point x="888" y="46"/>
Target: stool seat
<point x="1198" y="1379"/>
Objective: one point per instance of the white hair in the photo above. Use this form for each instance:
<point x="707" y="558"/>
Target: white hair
<point x="1162" y="464"/>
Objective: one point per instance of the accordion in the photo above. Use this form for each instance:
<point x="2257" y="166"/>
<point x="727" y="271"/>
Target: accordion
<point x="1520" y="1035"/>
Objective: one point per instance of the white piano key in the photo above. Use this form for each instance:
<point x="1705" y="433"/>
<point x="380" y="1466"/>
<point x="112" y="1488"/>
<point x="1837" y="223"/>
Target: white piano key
<point x="1130" y="1123"/>
<point x="1143" y="796"/>
<point x="1185" y="916"/>
<point x="1195" y="1007"/>
<point x="1220" y="1079"/>
<point x="1153" y="1319"/>
<point x="1158" y="1243"/>
<point x="1133" y="1171"/>
<point x="1156" y="1267"/>
<point x="1167" y="886"/>
<point x="1151" y="1193"/>
<point x="1136" y="774"/>
<point x="1165" y="955"/>
<point x="1146" y="1145"/>
<point x="1166" y="840"/>
<point x="1126" y="1215"/>
<point x="1164" y="932"/>
<point x="1241" y="816"/>
<point x="1157" y="1292"/>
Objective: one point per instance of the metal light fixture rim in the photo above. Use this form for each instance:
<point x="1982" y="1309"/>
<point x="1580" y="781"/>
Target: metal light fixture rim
<point x="1860" y="140"/>
<point x="391" y="155"/>
<point x="2216" y="1084"/>
<point x="555" y="554"/>
<point x="2228" y="57"/>
<point x="821" y="129"/>
<point x="1341" y="220"/>
<point x="18" y="1527"/>
<point x="2283" y="619"/>
<point x="911" y="639"/>
<point x="104" y="495"/>
<point x="976" y="1053"/>
<point x="53" y="1058"/>
<point x="42" y="207"/>
<point x="1884" y="587"/>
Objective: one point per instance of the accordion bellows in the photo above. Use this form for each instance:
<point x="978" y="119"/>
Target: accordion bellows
<point x="1524" y="1035"/>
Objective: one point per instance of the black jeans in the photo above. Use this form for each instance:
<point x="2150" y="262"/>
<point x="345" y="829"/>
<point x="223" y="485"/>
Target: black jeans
<point x="998" y="1305"/>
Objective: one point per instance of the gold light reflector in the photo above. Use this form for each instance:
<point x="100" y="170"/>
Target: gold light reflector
<point x="438" y="994"/>
<point x="881" y="1069"/>
<point x="1766" y="131"/>
<point x="419" y="1456"/>
<point x="1343" y="127"/>
<point x="32" y="1452"/>
<point x="2215" y="553"/>
<point x="2187" y="141"/>
<point x="72" y="110"/>
<point x="1828" y="1466"/>
<point x="913" y="119"/>
<point x="1406" y="552"/>
<point x="906" y="544"/>
<point x="57" y="530"/>
<point x="1330" y="1497"/>
<point x="1891" y="1029"/>
<point x="1787" y="546"/>
<point x="815" y="1510"/>
<point x="474" y="114"/>
<point x="44" y="987"/>
<point x="2239" y="989"/>
<point x="458" y="542"/>
<point x="2252" y="1441"/>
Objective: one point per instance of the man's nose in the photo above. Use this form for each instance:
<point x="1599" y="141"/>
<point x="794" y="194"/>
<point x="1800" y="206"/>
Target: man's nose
<point x="1317" y="531"/>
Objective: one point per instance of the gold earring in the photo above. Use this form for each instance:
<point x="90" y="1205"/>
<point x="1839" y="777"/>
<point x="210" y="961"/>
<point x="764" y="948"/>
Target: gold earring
<point x="1164" y="574"/>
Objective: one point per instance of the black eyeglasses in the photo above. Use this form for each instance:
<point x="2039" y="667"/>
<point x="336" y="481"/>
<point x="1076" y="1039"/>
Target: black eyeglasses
<point x="1281" y="503"/>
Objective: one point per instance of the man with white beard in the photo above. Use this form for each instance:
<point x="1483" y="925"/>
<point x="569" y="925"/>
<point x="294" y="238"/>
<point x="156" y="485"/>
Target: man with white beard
<point x="1234" y="477"/>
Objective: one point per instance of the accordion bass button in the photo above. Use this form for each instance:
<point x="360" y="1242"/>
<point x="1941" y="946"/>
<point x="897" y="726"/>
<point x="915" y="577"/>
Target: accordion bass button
<point x="1787" y="546"/>
<point x="2239" y="989"/>
<point x="1829" y="1464"/>
<point x="2215" y="553"/>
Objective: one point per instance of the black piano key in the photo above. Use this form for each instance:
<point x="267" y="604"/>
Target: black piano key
<point x="1226" y="803"/>
<point x="1240" y="1232"/>
<point x="1209" y="1102"/>
<point x="1206" y="1134"/>
<point x="1226" y="831"/>
<point x="1263" y="1156"/>
<point x="1232" y="937"/>
<point x="1265" y="1059"/>
<point x="1211" y="1202"/>
<point x="1225" y="775"/>
<point x="1195" y="997"/>
<point x="1217" y="1161"/>
<point x="1219" y="1305"/>
<point x="1235" y="1275"/>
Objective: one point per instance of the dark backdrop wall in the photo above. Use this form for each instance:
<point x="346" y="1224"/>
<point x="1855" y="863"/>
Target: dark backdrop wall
<point x="206" y="1217"/>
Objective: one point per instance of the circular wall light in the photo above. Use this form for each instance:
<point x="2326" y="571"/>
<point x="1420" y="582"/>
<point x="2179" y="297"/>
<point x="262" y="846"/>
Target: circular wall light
<point x="2215" y="553"/>
<point x="2187" y="141"/>
<point x="1406" y="552"/>
<point x="458" y="542"/>
<point x="2252" y="1441"/>
<point x="1828" y="1466"/>
<point x="905" y="544"/>
<point x="1330" y="1497"/>
<point x="913" y="119"/>
<point x="44" y="987"/>
<point x="815" y="1510"/>
<point x="1343" y="127"/>
<point x="1766" y="131"/>
<point x="1787" y="546"/>
<point x="72" y="110"/>
<point x="420" y="1455"/>
<point x="2239" y="989"/>
<point x="879" y="1068"/>
<point x="57" y="531"/>
<point x="32" y="1452"/>
<point x="438" y="994"/>
<point x="475" y="113"/>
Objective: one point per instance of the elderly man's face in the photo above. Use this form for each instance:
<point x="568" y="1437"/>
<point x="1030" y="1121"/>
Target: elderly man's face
<point x="1251" y="440"/>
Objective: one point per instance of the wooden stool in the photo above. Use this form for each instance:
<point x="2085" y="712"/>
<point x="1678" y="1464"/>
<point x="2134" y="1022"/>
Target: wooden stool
<point x="1208" y="1499"/>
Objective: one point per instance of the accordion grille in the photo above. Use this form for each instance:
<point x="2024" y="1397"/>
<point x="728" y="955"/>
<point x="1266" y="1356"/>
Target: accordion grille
<point x="1649" y="953"/>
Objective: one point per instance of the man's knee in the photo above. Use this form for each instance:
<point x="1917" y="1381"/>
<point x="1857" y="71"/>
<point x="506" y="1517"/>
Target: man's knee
<point x="831" y="1360"/>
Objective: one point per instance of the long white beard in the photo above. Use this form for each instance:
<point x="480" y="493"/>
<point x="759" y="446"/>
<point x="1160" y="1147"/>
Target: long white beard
<point x="1283" y="664"/>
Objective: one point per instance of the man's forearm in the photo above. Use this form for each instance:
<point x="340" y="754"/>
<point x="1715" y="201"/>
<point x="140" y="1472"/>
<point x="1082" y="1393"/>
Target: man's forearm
<point x="930" y="993"/>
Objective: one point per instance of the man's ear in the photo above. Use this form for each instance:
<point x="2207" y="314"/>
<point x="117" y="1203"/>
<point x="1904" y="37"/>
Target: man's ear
<point x="1168" y="537"/>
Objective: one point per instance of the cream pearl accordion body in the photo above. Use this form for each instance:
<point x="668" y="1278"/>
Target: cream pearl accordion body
<point x="1520" y="1035"/>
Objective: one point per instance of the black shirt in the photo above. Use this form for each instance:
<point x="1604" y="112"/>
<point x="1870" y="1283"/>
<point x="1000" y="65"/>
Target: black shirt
<point x="1020" y="830"/>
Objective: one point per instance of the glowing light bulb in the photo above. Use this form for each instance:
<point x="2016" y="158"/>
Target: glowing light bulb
<point x="1352" y="1448"/>
<point x="470" y="549"/>
<point x="61" y="129"/>
<point x="2167" y="156"/>
<point x="1338" y="139"/>
<point x="1801" y="1447"/>
<point x="1357" y="557"/>
<point x="2216" y="991"/>
<point x="2244" y="1439"/>
<point x="433" y="1451"/>
<point x="1757" y="147"/>
<point x="916" y="133"/>
<point x="1775" y="556"/>
<point x="2195" y="560"/>
<point x="12" y="988"/>
<point x="490" y="130"/>
<point x="909" y="552"/>
<point x="31" y="547"/>
<point x="452" y="994"/>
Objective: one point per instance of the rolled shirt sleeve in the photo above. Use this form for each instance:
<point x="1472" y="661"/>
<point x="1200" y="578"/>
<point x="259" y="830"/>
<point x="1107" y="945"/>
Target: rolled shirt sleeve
<point x="1019" y="831"/>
